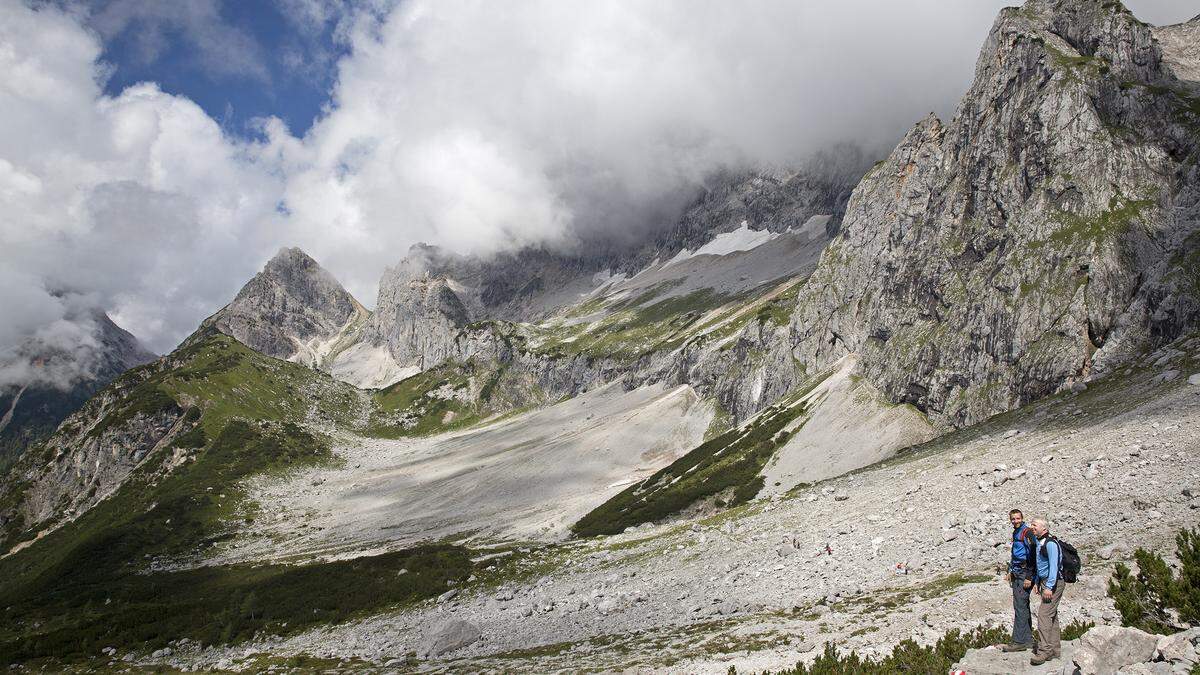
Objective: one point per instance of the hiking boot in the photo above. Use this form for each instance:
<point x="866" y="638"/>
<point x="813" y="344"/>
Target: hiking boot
<point x="1015" y="647"/>
<point x="1039" y="659"/>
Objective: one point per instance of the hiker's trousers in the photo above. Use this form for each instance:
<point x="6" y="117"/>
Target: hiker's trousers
<point x="1049" y="632"/>
<point x="1022" y="632"/>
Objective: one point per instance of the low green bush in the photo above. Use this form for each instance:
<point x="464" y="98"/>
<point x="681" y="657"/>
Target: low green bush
<point x="1076" y="629"/>
<point x="1156" y="598"/>
<point x="220" y="604"/>
<point x="905" y="658"/>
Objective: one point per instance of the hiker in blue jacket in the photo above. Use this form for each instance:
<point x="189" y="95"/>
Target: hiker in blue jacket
<point x="1050" y="587"/>
<point x="1022" y="574"/>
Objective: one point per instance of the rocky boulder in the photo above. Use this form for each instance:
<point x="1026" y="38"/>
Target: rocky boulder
<point x="1179" y="648"/>
<point x="447" y="637"/>
<point x="1104" y="650"/>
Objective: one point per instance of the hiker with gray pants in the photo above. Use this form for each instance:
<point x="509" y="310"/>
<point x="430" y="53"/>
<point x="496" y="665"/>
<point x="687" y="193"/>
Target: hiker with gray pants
<point x="1022" y="573"/>
<point x="1050" y="586"/>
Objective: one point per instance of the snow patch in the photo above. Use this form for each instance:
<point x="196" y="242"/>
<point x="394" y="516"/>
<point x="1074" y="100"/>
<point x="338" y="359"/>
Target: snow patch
<point x="741" y="239"/>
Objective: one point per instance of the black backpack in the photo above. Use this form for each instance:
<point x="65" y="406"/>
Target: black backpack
<point x="1068" y="561"/>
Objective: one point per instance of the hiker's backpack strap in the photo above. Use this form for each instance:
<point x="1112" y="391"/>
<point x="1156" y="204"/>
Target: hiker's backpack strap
<point x="1061" y="557"/>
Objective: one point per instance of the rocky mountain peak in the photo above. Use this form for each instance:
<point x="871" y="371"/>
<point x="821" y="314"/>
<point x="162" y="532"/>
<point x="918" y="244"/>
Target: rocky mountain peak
<point x="1034" y="240"/>
<point x="1101" y="29"/>
<point x="289" y="308"/>
<point x="292" y="266"/>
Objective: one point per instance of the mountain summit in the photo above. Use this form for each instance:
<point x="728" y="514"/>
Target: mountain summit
<point x="293" y="309"/>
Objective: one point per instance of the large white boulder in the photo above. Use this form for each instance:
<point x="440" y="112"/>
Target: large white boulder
<point x="1104" y="650"/>
<point x="1180" y="647"/>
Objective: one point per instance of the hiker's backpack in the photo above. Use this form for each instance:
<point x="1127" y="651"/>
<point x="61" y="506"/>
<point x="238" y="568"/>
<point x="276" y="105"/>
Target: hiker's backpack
<point x="1068" y="561"/>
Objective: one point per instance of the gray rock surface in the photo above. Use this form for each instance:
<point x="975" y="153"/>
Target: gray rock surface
<point x="1105" y="650"/>
<point x="80" y="467"/>
<point x="992" y="661"/>
<point x="289" y="309"/>
<point x="417" y="316"/>
<point x="449" y="636"/>
<point x="1179" y="648"/>
<point x="1028" y="242"/>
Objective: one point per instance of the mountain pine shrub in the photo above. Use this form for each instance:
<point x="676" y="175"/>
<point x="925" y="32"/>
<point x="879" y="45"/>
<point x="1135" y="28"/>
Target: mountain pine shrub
<point x="906" y="657"/>
<point x="1157" y="598"/>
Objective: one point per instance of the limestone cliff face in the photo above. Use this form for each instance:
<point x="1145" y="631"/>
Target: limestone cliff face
<point x="293" y="309"/>
<point x="1039" y="237"/>
<point x="416" y="316"/>
<point x="89" y="455"/>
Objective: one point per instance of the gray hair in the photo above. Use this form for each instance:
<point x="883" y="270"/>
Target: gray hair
<point x="1040" y="521"/>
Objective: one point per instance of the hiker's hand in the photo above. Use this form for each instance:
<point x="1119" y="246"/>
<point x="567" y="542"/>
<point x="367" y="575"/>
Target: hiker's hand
<point x="1028" y="584"/>
<point x="1047" y="594"/>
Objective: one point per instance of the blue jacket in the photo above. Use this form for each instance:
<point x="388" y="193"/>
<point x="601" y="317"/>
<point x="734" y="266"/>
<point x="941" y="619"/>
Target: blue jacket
<point x="1047" y="562"/>
<point x="1024" y="553"/>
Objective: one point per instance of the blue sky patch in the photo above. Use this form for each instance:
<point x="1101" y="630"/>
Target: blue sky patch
<point x="238" y="59"/>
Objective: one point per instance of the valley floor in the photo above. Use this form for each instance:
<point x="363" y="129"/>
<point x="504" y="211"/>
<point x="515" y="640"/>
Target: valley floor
<point x="525" y="478"/>
<point x="755" y="588"/>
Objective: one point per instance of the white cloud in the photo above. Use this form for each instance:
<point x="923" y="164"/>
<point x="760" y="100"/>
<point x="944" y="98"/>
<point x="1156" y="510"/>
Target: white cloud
<point x="483" y="125"/>
<point x="138" y="200"/>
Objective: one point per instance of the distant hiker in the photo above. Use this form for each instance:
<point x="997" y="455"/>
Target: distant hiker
<point x="1050" y="585"/>
<point x="1022" y="573"/>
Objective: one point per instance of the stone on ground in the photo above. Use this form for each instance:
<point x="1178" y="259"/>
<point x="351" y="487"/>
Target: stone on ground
<point x="1104" y="650"/>
<point x="992" y="661"/>
<point x="449" y="636"/>
<point x="1180" y="647"/>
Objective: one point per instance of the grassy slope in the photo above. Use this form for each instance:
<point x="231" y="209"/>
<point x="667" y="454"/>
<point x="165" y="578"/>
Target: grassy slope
<point x="246" y="415"/>
<point x="725" y="468"/>
<point x="450" y="396"/>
